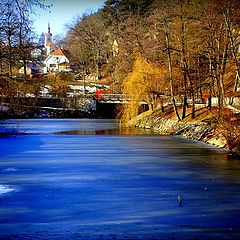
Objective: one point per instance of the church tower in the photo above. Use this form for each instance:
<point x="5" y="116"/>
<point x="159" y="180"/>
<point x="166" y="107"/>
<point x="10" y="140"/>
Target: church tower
<point x="49" y="45"/>
<point x="48" y="36"/>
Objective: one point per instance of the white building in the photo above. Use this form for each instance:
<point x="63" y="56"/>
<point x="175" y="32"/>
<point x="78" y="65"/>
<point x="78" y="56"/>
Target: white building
<point x="57" y="61"/>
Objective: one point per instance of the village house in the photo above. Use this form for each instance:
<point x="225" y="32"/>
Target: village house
<point x="32" y="69"/>
<point x="57" y="61"/>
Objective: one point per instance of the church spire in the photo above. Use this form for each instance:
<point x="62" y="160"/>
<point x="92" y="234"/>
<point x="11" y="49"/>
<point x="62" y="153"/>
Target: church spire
<point x="48" y="40"/>
<point x="49" y="31"/>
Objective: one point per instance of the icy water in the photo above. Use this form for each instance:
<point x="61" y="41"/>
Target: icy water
<point x="86" y="179"/>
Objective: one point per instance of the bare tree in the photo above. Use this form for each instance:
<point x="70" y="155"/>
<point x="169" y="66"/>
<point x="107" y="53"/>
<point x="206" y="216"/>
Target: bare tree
<point x="16" y="31"/>
<point x="91" y="37"/>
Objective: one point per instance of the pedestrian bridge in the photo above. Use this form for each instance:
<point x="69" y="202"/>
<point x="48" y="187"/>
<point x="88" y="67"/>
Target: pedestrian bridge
<point x="112" y="98"/>
<point x="104" y="106"/>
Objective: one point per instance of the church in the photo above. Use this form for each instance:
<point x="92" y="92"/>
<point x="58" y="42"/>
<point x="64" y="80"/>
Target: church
<point x="57" y="58"/>
<point x="49" y="45"/>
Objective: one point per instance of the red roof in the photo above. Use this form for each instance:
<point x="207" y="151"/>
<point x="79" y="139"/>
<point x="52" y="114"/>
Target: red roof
<point x="58" y="52"/>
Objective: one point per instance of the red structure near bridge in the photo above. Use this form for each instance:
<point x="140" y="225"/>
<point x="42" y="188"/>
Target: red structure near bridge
<point x="99" y="94"/>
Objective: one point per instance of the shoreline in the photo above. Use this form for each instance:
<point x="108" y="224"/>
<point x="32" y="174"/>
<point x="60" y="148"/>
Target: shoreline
<point x="204" y="131"/>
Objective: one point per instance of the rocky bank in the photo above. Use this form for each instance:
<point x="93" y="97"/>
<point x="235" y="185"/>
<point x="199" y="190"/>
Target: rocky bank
<point x="205" y="131"/>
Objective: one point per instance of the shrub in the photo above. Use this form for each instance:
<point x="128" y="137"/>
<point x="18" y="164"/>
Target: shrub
<point x="230" y="124"/>
<point x="64" y="77"/>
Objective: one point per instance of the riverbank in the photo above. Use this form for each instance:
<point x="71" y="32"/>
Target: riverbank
<point x="204" y="127"/>
<point x="46" y="112"/>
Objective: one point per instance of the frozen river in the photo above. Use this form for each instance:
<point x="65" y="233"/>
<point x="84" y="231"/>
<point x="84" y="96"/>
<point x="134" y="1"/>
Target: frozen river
<point x="86" y="179"/>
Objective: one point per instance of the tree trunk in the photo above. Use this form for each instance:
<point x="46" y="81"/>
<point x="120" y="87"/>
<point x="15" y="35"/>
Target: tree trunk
<point x="170" y="71"/>
<point x="211" y="85"/>
<point x="199" y="80"/>
<point x="222" y="73"/>
<point x="220" y="68"/>
<point x="184" y="63"/>
<point x="9" y="57"/>
<point x="185" y="83"/>
<point x="193" y="99"/>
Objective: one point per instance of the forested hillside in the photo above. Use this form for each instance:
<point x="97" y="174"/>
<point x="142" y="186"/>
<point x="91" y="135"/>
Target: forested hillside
<point x="193" y="46"/>
<point x="174" y="52"/>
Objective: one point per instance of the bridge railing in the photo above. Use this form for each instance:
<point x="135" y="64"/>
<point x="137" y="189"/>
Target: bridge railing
<point x="113" y="97"/>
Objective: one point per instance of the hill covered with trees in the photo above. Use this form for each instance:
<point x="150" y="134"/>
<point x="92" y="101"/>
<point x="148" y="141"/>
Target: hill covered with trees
<point x="176" y="52"/>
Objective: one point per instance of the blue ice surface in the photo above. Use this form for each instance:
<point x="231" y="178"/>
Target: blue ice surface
<point x="115" y="186"/>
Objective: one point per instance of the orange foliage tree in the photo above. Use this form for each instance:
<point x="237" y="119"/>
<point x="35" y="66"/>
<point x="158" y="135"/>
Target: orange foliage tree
<point x="145" y="83"/>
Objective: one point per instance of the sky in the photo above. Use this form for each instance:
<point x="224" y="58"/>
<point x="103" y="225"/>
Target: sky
<point x="61" y="13"/>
